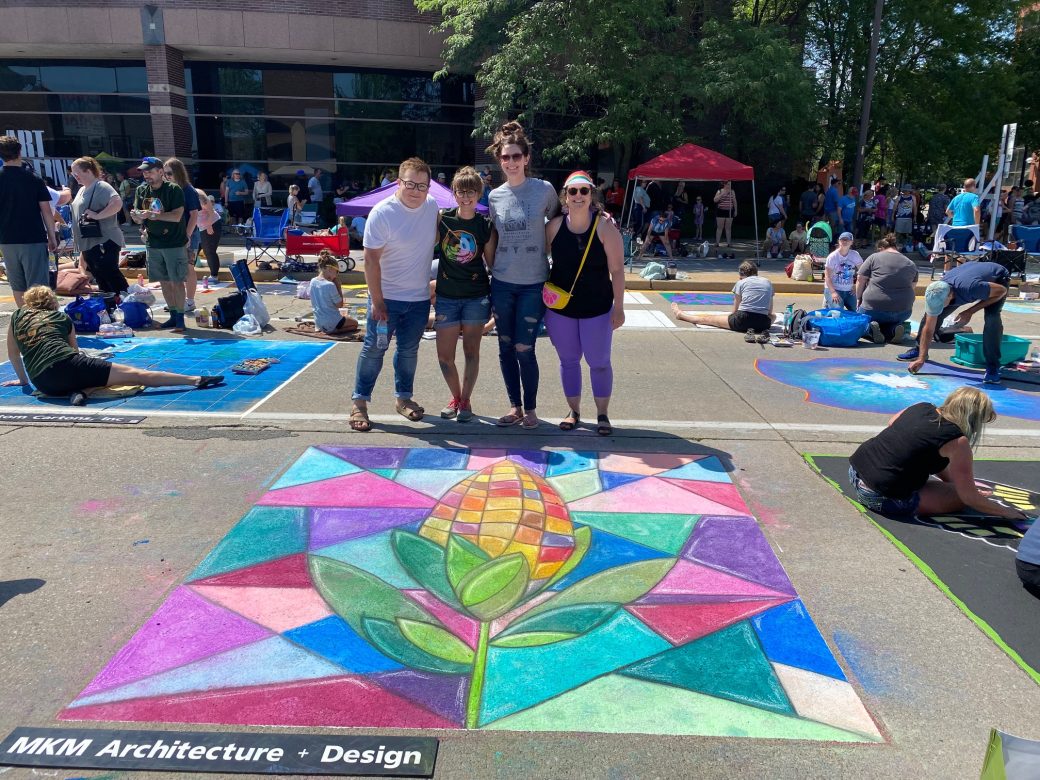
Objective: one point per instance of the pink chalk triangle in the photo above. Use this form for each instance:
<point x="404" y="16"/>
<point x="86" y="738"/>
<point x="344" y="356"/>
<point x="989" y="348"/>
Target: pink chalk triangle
<point x="686" y="578"/>
<point x="288" y="572"/>
<point x="466" y="629"/>
<point x="724" y="493"/>
<point x="363" y="489"/>
<point x="328" y="702"/>
<point x="279" y="609"/>
<point x="649" y="495"/>
<point x="184" y="629"/>
<point x="681" y="623"/>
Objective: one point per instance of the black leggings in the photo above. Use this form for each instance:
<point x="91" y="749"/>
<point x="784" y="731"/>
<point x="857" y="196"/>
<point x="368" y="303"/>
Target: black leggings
<point x="103" y="264"/>
<point x="1029" y="573"/>
<point x="209" y="246"/>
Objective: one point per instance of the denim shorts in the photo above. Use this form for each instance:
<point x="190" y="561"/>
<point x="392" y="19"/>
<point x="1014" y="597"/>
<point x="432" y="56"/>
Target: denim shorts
<point x="451" y="312"/>
<point x="883" y="505"/>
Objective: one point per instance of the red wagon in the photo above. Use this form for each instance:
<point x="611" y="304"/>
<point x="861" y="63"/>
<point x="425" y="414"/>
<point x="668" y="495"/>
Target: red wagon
<point x="299" y="244"/>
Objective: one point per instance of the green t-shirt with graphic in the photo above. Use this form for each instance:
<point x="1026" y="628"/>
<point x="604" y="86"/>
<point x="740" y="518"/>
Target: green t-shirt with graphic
<point x="162" y="235"/>
<point x="42" y="338"/>
<point x="461" y="272"/>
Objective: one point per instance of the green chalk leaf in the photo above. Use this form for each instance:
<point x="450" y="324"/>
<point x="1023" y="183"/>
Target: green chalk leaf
<point x="425" y="561"/>
<point x="436" y="641"/>
<point x="532" y="639"/>
<point x="620" y="585"/>
<point x="494" y="587"/>
<point x="389" y="640"/>
<point x="575" y="619"/>
<point x="355" y="594"/>
<point x="463" y="557"/>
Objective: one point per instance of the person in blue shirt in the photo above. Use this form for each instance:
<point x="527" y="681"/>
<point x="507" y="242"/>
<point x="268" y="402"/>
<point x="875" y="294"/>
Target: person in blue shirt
<point x="847" y="209"/>
<point x="235" y="197"/>
<point x="985" y="285"/>
<point x="830" y="205"/>
<point x="1027" y="561"/>
<point x="965" y="208"/>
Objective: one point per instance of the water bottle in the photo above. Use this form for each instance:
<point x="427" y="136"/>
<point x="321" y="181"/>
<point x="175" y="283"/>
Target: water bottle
<point x="202" y="317"/>
<point x="156" y="204"/>
<point x="382" y="334"/>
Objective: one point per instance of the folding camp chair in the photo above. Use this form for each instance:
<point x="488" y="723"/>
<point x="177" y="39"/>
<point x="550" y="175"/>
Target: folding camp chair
<point x="1028" y="238"/>
<point x="66" y="246"/>
<point x="268" y="235"/>
<point x="956" y="243"/>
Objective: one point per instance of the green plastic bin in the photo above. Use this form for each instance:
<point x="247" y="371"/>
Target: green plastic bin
<point x="969" y="350"/>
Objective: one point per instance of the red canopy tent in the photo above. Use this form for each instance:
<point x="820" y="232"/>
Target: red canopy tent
<point x="690" y="162"/>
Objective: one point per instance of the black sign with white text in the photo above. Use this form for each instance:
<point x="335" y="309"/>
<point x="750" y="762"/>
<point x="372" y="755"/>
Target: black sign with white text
<point x="25" y="417"/>
<point x="211" y="751"/>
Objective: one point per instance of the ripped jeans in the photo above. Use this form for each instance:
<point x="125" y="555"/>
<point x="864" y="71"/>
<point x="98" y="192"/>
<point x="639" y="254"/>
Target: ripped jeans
<point x="518" y="318"/>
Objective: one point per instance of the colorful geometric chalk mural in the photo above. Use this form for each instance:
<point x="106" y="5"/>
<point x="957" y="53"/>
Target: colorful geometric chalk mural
<point x="885" y="387"/>
<point x="489" y="589"/>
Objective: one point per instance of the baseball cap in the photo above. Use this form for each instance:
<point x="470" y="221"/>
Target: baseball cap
<point x="150" y="164"/>
<point x="846" y="236"/>
<point x="935" y="296"/>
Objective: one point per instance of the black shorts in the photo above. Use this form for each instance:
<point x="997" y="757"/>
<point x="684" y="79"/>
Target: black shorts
<point x="74" y="373"/>
<point x="237" y="209"/>
<point x="743" y="321"/>
<point x="1029" y="573"/>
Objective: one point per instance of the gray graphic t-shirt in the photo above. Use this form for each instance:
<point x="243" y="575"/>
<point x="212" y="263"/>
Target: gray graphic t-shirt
<point x="519" y="215"/>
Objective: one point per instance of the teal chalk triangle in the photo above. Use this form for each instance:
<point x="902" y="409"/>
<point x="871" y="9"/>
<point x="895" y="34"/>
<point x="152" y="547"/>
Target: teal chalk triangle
<point x="728" y="664"/>
<point x="703" y="470"/>
<point x="432" y="482"/>
<point x="613" y="479"/>
<point x="388" y="473"/>
<point x="313" y="466"/>
<point x="565" y="462"/>
<point x="518" y="678"/>
<point x="374" y="554"/>
<point x="265" y="532"/>
<point x="272" y="660"/>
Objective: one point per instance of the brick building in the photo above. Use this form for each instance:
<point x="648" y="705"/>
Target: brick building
<point x="345" y="85"/>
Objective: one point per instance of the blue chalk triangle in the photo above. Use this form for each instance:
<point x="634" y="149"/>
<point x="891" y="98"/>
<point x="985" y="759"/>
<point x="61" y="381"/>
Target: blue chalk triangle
<point x="613" y="479"/>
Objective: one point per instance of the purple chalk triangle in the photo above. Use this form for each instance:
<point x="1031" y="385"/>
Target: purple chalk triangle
<point x="330" y="525"/>
<point x="533" y="460"/>
<point x="370" y="457"/>
<point x="442" y="694"/>
<point x="184" y="629"/>
<point x="737" y="546"/>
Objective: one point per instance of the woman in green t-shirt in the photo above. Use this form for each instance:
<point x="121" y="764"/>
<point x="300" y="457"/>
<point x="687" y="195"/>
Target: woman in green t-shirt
<point x="466" y="243"/>
<point x="42" y="346"/>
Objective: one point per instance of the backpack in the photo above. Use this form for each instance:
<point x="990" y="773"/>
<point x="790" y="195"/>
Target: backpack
<point x="85" y="314"/>
<point x="797" y="323"/>
<point x="228" y="310"/>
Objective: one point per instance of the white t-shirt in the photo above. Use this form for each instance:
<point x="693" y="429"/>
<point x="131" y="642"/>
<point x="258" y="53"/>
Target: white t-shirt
<point x="777" y="205"/>
<point x="315" y="187"/>
<point x="843" y="268"/>
<point x="407" y="237"/>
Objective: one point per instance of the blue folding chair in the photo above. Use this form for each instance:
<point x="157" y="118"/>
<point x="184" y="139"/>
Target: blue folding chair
<point x="959" y="243"/>
<point x="66" y="246"/>
<point x="268" y="236"/>
<point x="1028" y="238"/>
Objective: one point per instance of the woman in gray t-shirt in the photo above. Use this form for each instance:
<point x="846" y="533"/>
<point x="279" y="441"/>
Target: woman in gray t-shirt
<point x="98" y="200"/>
<point x="519" y="209"/>
<point x="885" y="290"/>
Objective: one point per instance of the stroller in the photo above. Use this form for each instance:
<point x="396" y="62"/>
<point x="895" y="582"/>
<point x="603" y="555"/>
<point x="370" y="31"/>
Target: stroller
<point x="818" y="243"/>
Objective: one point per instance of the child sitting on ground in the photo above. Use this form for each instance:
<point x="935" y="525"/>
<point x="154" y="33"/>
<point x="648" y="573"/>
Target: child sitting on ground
<point x="776" y="237"/>
<point x="327" y="298"/>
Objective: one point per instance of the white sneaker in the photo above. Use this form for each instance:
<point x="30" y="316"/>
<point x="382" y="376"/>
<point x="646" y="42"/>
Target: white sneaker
<point x="189" y="306"/>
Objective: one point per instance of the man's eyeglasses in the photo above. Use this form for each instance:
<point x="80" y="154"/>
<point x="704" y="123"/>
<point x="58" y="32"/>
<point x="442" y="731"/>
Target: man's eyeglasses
<point x="414" y="185"/>
<point x="514" y="157"/>
<point x="576" y="190"/>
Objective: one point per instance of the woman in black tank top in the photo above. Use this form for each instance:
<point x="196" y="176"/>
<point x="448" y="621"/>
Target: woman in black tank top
<point x="892" y="472"/>
<point x="585" y="326"/>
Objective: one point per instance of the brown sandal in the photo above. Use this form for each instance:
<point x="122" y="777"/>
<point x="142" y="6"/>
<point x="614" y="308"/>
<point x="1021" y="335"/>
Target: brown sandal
<point x="410" y="410"/>
<point x="359" y="420"/>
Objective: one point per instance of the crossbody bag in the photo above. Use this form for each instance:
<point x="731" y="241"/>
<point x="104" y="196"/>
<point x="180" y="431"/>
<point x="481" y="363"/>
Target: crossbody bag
<point x="557" y="298"/>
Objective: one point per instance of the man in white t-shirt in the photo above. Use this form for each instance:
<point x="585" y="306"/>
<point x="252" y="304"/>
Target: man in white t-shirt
<point x="314" y="185"/>
<point x="399" y="237"/>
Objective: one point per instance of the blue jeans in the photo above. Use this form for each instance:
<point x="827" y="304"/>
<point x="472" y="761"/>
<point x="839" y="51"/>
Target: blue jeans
<point x="848" y="299"/>
<point x="888" y="320"/>
<point x="406" y="321"/>
<point x="992" y="331"/>
<point x="452" y="312"/>
<point x="871" y="499"/>
<point x="518" y="318"/>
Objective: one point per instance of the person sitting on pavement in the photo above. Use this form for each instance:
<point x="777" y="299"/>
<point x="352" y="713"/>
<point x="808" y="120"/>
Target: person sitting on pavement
<point x="657" y="232"/>
<point x="41" y="344"/>
<point x="839" y="274"/>
<point x="752" y="307"/>
<point x="885" y="291"/>
<point x="983" y="284"/>
<point x="796" y="241"/>
<point x="1027" y="560"/>
<point x="892" y="473"/>
<point x="327" y="298"/>
<point x="776" y="240"/>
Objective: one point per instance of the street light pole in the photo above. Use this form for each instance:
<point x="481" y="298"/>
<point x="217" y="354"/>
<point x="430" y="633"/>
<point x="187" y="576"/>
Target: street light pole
<point x="868" y="93"/>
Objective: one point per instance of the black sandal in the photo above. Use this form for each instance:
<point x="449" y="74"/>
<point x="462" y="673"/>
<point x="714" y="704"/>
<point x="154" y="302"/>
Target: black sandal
<point x="570" y="422"/>
<point x="603" y="426"/>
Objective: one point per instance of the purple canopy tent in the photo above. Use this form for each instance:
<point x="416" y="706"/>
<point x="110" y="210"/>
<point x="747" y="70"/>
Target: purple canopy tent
<point x="362" y="204"/>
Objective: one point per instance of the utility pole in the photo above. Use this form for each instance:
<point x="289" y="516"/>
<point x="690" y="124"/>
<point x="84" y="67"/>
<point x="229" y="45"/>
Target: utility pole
<point x="868" y="93"/>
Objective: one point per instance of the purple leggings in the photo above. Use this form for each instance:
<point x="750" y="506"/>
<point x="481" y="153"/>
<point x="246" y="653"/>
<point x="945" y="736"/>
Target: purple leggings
<point x="589" y="337"/>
